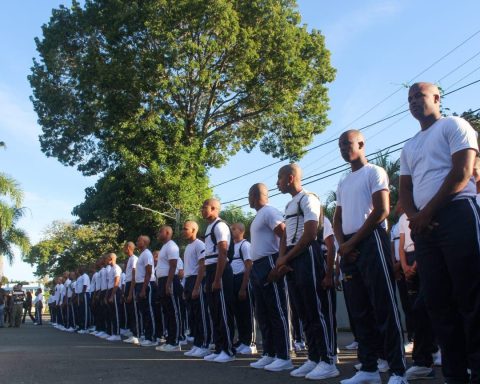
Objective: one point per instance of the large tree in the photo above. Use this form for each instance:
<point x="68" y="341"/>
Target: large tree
<point x="177" y="87"/>
<point x="66" y="246"/>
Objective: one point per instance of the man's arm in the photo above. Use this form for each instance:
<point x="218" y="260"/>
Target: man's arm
<point x="279" y="230"/>
<point x="172" y="264"/>
<point x="337" y="225"/>
<point x="146" y="280"/>
<point x="309" y="234"/>
<point x="242" y="294"/>
<point x="222" y="247"/>
<point x="132" y="286"/>
<point x="199" y="279"/>
<point x="380" y="202"/>
<point x="455" y="182"/>
<point x="116" y="283"/>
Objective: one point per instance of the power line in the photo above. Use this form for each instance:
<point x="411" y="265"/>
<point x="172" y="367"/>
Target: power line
<point x="335" y="139"/>
<point x="341" y="168"/>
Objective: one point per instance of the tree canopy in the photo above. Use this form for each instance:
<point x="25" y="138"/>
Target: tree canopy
<point x="175" y="87"/>
<point x="66" y="246"/>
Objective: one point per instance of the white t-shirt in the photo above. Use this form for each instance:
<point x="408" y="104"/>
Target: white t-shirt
<point x="70" y="288"/>
<point x="354" y="195"/>
<point x="98" y="281"/>
<point x="169" y="251"/>
<point x="115" y="271"/>
<point x="93" y="283"/>
<point x="408" y="246"/>
<point x="86" y="281"/>
<point x="395" y="238"/>
<point x="38" y="298"/>
<point x="427" y="157"/>
<point x="103" y="279"/>
<point x="264" y="241"/>
<point x="122" y="279"/>
<point x="145" y="259"/>
<point x="58" y="293"/>
<point x="238" y="265"/>
<point x="194" y="252"/>
<point x="222" y="233"/>
<point x="79" y="285"/>
<point x="63" y="291"/>
<point x="310" y="205"/>
<point x="327" y="228"/>
<point x="179" y="266"/>
<point x="131" y="264"/>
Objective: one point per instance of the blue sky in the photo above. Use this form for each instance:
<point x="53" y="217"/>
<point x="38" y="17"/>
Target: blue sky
<point x="376" y="46"/>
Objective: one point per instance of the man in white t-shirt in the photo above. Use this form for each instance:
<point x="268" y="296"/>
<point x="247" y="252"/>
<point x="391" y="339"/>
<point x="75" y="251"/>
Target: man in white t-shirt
<point x="71" y="307"/>
<point x="219" y="282"/>
<point x="169" y="287"/>
<point x="242" y="295"/>
<point x="113" y="298"/>
<point x="129" y="294"/>
<point x="270" y="295"/>
<point x="194" y="271"/>
<point x="437" y="191"/>
<point x="300" y="250"/>
<point x="144" y="290"/>
<point x="83" y="299"/>
<point x="359" y="225"/>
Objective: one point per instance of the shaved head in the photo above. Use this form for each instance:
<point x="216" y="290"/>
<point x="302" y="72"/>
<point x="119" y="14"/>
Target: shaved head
<point x="353" y="134"/>
<point x="214" y="203"/>
<point x="240" y="227"/>
<point x="258" y="189"/>
<point x="192" y="225"/>
<point x="428" y="87"/>
<point x="293" y="170"/>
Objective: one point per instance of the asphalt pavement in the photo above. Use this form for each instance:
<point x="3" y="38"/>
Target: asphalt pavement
<point x="42" y="354"/>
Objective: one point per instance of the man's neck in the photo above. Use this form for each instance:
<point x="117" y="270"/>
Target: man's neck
<point x="429" y="121"/>
<point x="359" y="163"/>
<point x="237" y="240"/>
<point x="211" y="219"/>
<point x="295" y="190"/>
<point x="191" y="239"/>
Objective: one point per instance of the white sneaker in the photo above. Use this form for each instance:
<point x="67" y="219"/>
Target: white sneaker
<point x="148" y="343"/>
<point x="299" y="346"/>
<point x="168" y="348"/>
<point x="323" y="370"/>
<point x="71" y="329"/>
<point x="419" y="373"/>
<point x="114" y="338"/>
<point x="190" y="339"/>
<point x="129" y="340"/>
<point x="305" y="368"/>
<point x="211" y="356"/>
<point x="394" y="379"/>
<point x="183" y="342"/>
<point x="262" y="362"/>
<point x="246" y="350"/>
<point x="352" y="346"/>
<point x="82" y="332"/>
<point x="201" y="352"/>
<point x="191" y="351"/>
<point x="362" y="377"/>
<point x="409" y="347"/>
<point x="279" y="365"/>
<point x="105" y="336"/>
<point x="92" y="328"/>
<point x="224" y="357"/>
<point x="437" y="358"/>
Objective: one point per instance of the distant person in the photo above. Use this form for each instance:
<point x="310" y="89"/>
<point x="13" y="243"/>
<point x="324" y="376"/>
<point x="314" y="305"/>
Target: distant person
<point x="38" y="302"/>
<point x="2" y="305"/>
<point x="18" y="298"/>
<point x="27" y="307"/>
<point x="438" y="194"/>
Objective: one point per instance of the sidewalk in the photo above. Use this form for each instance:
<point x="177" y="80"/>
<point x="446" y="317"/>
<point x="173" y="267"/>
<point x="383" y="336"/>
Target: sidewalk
<point x="41" y="354"/>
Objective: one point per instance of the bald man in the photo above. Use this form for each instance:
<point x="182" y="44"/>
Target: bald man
<point x="360" y="229"/>
<point x="144" y="291"/>
<point x="113" y="298"/>
<point x="194" y="268"/>
<point x="219" y="282"/>
<point x="437" y="191"/>
<point x="300" y="250"/>
<point x="270" y="295"/>
<point x="129" y="294"/>
<point x="169" y="288"/>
